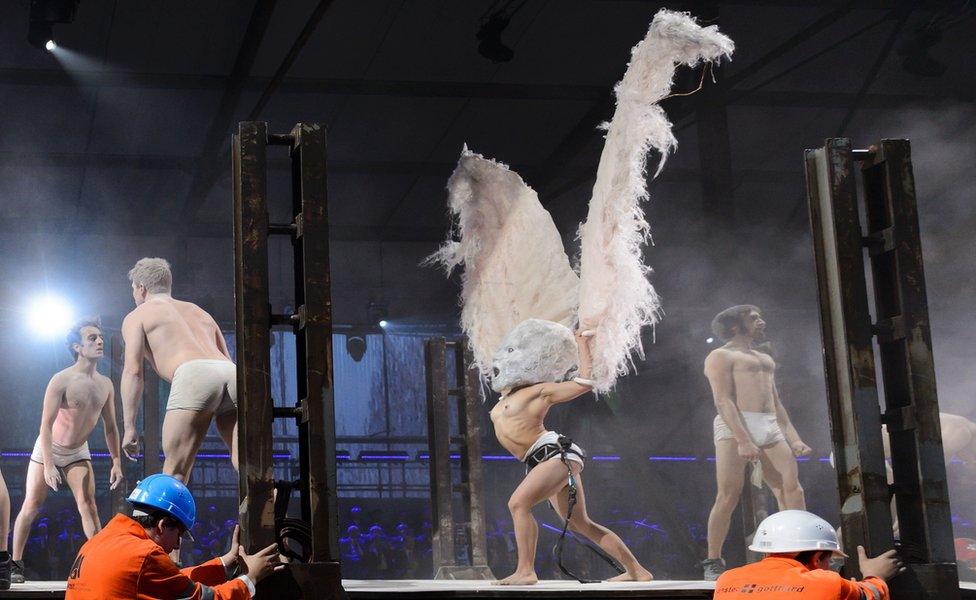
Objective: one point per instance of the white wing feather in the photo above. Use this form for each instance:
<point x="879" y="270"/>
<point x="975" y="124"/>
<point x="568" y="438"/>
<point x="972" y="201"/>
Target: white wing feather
<point x="616" y="297"/>
<point x="515" y="267"/>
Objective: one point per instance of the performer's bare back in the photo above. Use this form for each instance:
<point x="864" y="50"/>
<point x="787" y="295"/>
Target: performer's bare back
<point x="518" y="419"/>
<point x="83" y="397"/>
<point x="176" y="332"/>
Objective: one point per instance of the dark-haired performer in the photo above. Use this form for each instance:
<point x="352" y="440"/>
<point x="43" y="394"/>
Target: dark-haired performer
<point x="74" y="400"/>
<point x="751" y="425"/>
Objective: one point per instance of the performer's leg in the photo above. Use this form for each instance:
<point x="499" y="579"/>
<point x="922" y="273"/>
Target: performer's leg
<point x="227" y="427"/>
<point x="4" y="514"/>
<point x="81" y="480"/>
<point x="729" y="475"/>
<point x="773" y="479"/>
<point x="540" y="483"/>
<point x="34" y="496"/>
<point x="782" y="460"/>
<point x="183" y="432"/>
<point x="581" y="523"/>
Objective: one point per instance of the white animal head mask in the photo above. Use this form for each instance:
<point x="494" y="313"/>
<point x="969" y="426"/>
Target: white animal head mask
<point x="535" y="351"/>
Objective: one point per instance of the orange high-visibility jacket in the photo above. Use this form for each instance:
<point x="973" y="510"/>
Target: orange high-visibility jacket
<point x="121" y="561"/>
<point x="786" y="579"/>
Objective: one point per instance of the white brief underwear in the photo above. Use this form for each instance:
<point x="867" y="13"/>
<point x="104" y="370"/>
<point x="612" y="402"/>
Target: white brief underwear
<point x="62" y="456"/>
<point x="762" y="427"/>
<point x="204" y="385"/>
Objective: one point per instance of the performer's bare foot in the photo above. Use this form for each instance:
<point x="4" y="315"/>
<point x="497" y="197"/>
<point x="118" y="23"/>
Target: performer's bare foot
<point x="517" y="578"/>
<point x="639" y="575"/>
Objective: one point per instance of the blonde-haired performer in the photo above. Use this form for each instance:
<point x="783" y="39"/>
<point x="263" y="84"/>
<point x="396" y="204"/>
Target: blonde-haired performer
<point x="184" y="345"/>
<point x="74" y="400"/>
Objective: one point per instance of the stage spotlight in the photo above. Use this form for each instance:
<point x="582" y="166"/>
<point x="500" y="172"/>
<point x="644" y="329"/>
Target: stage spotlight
<point x="384" y="323"/>
<point x="709" y="340"/>
<point x="50" y="316"/>
<point x="43" y="15"/>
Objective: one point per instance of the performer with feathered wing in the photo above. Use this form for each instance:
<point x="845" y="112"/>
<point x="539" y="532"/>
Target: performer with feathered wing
<point x="520" y="296"/>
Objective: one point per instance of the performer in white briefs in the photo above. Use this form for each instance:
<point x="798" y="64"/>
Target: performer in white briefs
<point x="186" y="347"/>
<point x="73" y="402"/>
<point x="751" y="425"/>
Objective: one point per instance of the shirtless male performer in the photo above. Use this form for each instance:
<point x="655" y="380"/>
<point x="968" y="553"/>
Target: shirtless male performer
<point x="185" y="346"/>
<point x="518" y="419"/>
<point x="751" y="425"/>
<point x="73" y="402"/>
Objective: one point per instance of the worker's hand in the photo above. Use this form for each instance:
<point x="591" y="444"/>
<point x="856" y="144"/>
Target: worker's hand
<point x="262" y="563"/>
<point x="51" y="477"/>
<point x="748" y="451"/>
<point x="885" y="565"/>
<point x="115" y="476"/>
<point x="800" y="449"/>
<point x="130" y="444"/>
<point x="232" y="558"/>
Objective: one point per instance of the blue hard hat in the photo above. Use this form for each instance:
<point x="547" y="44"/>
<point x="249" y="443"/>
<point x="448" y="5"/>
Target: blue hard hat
<point x="168" y="494"/>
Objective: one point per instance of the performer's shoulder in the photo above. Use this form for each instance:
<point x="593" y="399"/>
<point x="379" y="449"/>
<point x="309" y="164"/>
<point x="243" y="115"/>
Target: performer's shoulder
<point x="720" y="356"/>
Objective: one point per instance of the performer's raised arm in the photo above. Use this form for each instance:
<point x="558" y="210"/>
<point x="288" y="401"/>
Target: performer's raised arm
<point x="565" y="391"/>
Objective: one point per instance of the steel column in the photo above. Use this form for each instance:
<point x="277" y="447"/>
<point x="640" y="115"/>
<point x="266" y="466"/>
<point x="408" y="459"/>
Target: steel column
<point x="905" y="354"/>
<point x="439" y="442"/>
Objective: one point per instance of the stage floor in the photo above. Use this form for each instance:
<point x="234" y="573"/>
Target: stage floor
<point x="365" y="589"/>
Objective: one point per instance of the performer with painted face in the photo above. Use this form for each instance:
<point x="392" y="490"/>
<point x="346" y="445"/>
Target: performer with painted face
<point x="534" y="370"/>
<point x="520" y="295"/>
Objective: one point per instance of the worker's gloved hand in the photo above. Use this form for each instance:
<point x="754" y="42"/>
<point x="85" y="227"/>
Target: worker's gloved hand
<point x="885" y="565"/>
<point x="262" y="563"/>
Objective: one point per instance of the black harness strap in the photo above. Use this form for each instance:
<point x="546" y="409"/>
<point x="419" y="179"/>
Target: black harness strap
<point x="566" y="447"/>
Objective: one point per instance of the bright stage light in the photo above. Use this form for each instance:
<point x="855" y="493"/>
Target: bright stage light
<point x="384" y="323"/>
<point x="50" y="316"/>
<point x="709" y="340"/>
<point x="50" y="45"/>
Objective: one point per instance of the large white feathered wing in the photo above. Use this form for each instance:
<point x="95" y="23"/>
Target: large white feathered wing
<point x="515" y="267"/>
<point x="616" y="298"/>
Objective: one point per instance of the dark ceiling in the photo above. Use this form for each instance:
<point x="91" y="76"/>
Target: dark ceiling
<point x="117" y="145"/>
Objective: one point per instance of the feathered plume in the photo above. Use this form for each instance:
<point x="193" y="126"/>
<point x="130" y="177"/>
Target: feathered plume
<point x="616" y="297"/>
<point x="515" y="267"/>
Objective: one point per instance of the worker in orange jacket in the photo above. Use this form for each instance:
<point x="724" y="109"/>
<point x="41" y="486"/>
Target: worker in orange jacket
<point x="129" y="558"/>
<point x="798" y="546"/>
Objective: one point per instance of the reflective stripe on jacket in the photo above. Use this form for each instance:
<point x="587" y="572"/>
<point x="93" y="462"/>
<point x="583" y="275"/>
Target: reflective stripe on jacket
<point x="786" y="579"/>
<point x="121" y="561"/>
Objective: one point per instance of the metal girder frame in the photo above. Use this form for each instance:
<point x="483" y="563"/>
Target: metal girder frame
<point x="312" y="323"/>
<point x="253" y="330"/>
<point x="471" y="485"/>
<point x="908" y="370"/>
<point x="439" y="443"/>
<point x="902" y="334"/>
<point x="472" y="480"/>
<point x="313" y="336"/>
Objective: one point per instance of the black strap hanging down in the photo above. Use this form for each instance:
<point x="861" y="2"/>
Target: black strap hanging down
<point x="565" y="445"/>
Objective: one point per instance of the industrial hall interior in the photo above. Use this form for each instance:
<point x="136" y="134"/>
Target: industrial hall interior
<point x="439" y="299"/>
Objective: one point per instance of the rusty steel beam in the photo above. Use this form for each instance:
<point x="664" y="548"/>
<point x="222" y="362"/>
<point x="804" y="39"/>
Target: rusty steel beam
<point x="908" y="370"/>
<point x="253" y="322"/>
<point x="313" y="337"/>
<point x="852" y="393"/>
<point x="438" y="436"/>
<point x="472" y="476"/>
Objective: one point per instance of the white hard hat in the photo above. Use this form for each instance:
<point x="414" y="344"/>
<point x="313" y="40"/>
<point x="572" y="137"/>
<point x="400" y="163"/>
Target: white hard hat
<point x="794" y="531"/>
